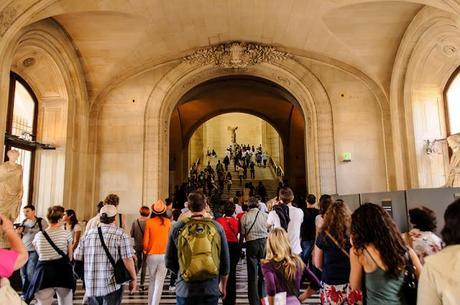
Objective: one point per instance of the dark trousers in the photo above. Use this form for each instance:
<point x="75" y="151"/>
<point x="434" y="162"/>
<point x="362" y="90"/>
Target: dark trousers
<point x="198" y="300"/>
<point x="255" y="251"/>
<point x="113" y="298"/>
<point x="141" y="265"/>
<point x="235" y="252"/>
<point x="172" y="279"/>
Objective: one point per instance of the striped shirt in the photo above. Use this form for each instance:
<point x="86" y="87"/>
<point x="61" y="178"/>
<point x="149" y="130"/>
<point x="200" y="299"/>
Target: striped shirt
<point x="259" y="230"/>
<point x="61" y="238"/>
<point x="99" y="274"/>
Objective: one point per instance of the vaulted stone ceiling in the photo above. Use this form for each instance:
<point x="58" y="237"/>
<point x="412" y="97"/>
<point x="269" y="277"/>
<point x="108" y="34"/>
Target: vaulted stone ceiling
<point x="118" y="37"/>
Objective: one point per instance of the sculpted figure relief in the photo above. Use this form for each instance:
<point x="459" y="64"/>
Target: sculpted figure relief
<point x="11" y="188"/>
<point x="453" y="178"/>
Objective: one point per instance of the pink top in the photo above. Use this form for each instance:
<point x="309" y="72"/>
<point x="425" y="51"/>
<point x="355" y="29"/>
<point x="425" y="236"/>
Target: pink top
<point x="7" y="262"/>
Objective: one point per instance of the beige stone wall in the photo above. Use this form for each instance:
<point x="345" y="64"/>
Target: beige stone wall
<point x="120" y="137"/>
<point x="357" y="119"/>
<point x="272" y="143"/>
<point x="197" y="145"/>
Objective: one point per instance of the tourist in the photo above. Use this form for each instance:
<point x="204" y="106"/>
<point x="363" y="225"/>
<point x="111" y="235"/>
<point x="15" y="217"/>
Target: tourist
<point x="285" y="215"/>
<point x="173" y="276"/>
<point x="207" y="279"/>
<point x="262" y="206"/>
<point x="421" y="238"/>
<point x="169" y="207"/>
<point x="308" y="230"/>
<point x="261" y="191"/>
<point x="137" y="233"/>
<point x="53" y="273"/>
<point x="324" y="201"/>
<point x="252" y="169"/>
<point x="17" y="255"/>
<point x="155" y="239"/>
<point x="114" y="200"/>
<point x="440" y="281"/>
<point x="231" y="228"/>
<point x="28" y="229"/>
<point x="378" y="256"/>
<point x="254" y="230"/>
<point x="71" y="224"/>
<point x="103" y="290"/>
<point x="94" y="222"/>
<point x="226" y="162"/>
<point x="228" y="179"/>
<point x="330" y="253"/>
<point x="283" y="270"/>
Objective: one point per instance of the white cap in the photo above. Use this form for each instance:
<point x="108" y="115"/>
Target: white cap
<point x="109" y="210"/>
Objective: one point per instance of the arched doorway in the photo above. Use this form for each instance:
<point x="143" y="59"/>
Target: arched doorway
<point x="250" y="95"/>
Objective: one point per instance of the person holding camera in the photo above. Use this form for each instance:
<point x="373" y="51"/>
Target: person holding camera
<point x="28" y="229"/>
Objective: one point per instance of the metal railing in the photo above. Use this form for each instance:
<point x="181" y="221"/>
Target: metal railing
<point x="276" y="168"/>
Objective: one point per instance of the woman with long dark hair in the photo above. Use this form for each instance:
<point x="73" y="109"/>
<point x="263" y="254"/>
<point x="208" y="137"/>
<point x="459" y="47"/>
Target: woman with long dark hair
<point x="155" y="241"/>
<point x="440" y="280"/>
<point x="330" y="254"/>
<point x="379" y="256"/>
<point x="71" y="224"/>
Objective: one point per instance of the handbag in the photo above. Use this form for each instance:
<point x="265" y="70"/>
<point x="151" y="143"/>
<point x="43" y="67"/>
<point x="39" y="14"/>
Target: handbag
<point x="8" y="295"/>
<point x="410" y="283"/>
<point x="121" y="273"/>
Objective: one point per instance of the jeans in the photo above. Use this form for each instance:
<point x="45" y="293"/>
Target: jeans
<point x="45" y="296"/>
<point x="235" y="253"/>
<point x="27" y="271"/>
<point x="157" y="272"/>
<point x="255" y="251"/>
<point x="198" y="300"/>
<point x="113" y="298"/>
<point x="307" y="247"/>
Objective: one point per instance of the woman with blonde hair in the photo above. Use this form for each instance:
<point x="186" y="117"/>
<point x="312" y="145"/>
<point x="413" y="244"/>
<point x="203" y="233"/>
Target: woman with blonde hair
<point x="331" y="254"/>
<point x="283" y="270"/>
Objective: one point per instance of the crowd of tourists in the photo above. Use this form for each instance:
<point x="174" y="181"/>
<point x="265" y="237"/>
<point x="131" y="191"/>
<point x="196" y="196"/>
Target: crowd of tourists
<point x="292" y="251"/>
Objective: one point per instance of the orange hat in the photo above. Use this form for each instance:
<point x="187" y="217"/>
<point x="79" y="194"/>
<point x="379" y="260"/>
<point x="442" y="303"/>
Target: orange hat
<point x="159" y="207"/>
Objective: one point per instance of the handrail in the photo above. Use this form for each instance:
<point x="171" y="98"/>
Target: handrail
<point x="278" y="170"/>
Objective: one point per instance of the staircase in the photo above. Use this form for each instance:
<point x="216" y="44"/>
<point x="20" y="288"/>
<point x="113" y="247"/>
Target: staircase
<point x="264" y="174"/>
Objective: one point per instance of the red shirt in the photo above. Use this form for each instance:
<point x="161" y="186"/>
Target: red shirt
<point x="231" y="228"/>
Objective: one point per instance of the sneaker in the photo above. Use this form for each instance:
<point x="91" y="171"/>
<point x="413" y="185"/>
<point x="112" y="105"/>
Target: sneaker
<point x="172" y="288"/>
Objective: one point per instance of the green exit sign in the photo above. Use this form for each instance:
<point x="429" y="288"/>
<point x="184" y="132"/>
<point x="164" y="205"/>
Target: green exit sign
<point x="346" y="156"/>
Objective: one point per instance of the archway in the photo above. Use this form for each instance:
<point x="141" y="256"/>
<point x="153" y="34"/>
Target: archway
<point x="261" y="98"/>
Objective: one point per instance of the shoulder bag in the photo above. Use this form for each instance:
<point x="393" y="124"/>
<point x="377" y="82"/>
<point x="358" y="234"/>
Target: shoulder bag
<point x="337" y="244"/>
<point x="409" y="287"/>
<point x="121" y="273"/>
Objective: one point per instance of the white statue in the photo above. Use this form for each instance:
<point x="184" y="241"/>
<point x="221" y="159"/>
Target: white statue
<point x="454" y="166"/>
<point x="233" y="131"/>
<point x="11" y="188"/>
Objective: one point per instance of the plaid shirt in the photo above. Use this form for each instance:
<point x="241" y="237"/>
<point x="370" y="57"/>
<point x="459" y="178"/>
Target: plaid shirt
<point x="99" y="274"/>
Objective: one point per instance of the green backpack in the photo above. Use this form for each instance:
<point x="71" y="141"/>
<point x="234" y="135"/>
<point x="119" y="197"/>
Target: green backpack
<point x="198" y="246"/>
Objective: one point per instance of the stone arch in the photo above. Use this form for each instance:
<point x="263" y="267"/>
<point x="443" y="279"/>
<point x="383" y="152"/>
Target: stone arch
<point x="430" y="31"/>
<point x="289" y="74"/>
<point x="53" y="41"/>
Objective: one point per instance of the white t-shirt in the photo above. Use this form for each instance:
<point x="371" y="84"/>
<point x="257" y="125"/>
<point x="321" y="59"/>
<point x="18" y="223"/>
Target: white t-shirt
<point x="296" y="219"/>
<point x="238" y="209"/>
<point x="263" y="207"/>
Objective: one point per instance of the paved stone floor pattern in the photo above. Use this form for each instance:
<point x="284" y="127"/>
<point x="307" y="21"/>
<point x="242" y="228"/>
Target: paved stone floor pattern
<point x="140" y="297"/>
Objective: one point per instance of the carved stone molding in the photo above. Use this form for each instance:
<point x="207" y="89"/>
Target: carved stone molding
<point x="236" y="55"/>
<point x="7" y="17"/>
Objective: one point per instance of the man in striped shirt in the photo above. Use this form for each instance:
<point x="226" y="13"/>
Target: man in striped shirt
<point x="254" y="229"/>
